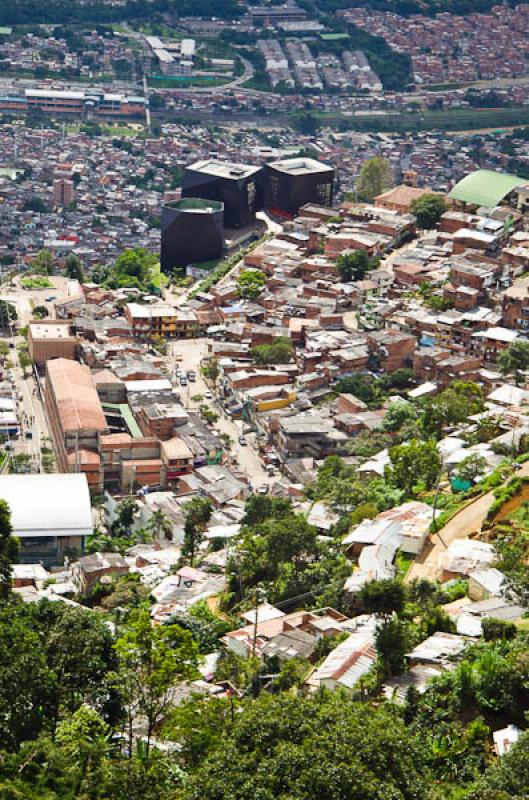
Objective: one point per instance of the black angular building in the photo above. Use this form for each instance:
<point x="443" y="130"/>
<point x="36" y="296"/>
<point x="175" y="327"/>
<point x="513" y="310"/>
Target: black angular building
<point x="292" y="182"/>
<point x="192" y="232"/>
<point x="239" y="186"/>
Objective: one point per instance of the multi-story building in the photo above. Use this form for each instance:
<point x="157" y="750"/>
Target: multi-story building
<point x="75" y="417"/>
<point x="293" y="182"/>
<point x="390" y="350"/>
<point x="160" y="320"/>
<point x="238" y="186"/>
<point x="48" y="339"/>
<point x="192" y="232"/>
<point x="63" y="192"/>
<point x="515" y="307"/>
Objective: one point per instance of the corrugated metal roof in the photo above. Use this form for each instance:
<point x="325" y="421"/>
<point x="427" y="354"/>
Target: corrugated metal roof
<point x="75" y="395"/>
<point x="484" y="187"/>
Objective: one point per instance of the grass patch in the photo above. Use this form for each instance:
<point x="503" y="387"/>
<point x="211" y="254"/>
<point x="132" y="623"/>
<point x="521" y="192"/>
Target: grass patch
<point x="165" y="82"/>
<point x="403" y="562"/>
<point x="157" y="278"/>
<point x="36" y="282"/>
<point x="457" y="119"/>
<point x="122" y="130"/>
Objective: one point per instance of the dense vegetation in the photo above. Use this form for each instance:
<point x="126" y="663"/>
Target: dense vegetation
<point x="20" y="12"/>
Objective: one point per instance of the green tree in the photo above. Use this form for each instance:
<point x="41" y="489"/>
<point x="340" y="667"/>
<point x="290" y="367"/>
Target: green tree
<point x="508" y="778"/>
<point x="125" y="514"/>
<point x="81" y="669"/>
<point x="26" y="682"/>
<point x="23" y="358"/>
<point x="428" y="210"/>
<point x="498" y="629"/>
<point x="250" y="284"/>
<point x="211" y="371"/>
<point x="472" y="467"/>
<point x="40" y="312"/>
<point x="259" y="507"/>
<point x="384" y="597"/>
<point x="376" y="176"/>
<point x="397" y="414"/>
<point x="83" y="745"/>
<point x="414" y="465"/>
<point x="451" y="407"/>
<point x="281" y="351"/>
<point x="160" y="525"/>
<point x="44" y="263"/>
<point x="515" y="359"/>
<point x="8" y="550"/>
<point x="296" y="747"/>
<point x="354" y="266"/>
<point x="197" y="513"/>
<point x="74" y="268"/>
<point x="512" y="554"/>
<point x="152" y="659"/>
<point x="392" y="642"/>
<point x="35" y="204"/>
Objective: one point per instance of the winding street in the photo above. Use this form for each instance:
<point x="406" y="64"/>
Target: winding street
<point x="466" y="522"/>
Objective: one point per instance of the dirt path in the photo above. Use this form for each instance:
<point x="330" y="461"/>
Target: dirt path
<point x="466" y="522"/>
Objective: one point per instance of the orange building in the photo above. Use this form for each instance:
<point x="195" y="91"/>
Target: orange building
<point x="75" y="417"/>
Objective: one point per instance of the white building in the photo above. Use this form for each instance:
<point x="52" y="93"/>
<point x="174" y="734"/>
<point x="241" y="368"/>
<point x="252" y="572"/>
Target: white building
<point x="50" y="514"/>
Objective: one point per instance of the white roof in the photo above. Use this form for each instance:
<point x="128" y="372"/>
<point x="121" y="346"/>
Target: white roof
<point x="224" y="169"/>
<point x="490" y="578"/>
<point x="509" y="395"/>
<point x="498" y="334"/>
<point x="322" y="517"/>
<point x="156" y="385"/>
<point x="438" y="647"/>
<point x="423" y="389"/>
<point x="187" y="47"/>
<point x="265" y="613"/>
<point x="300" y="166"/>
<point x="505" y="738"/>
<point x="466" y="555"/>
<point x="48" y="505"/>
<point x="34" y="572"/>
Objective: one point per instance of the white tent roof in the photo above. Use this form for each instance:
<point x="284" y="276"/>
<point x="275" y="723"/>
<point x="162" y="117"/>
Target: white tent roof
<point x="48" y="505"/>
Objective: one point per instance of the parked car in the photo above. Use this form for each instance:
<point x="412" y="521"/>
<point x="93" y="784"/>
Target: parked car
<point x="208" y="395"/>
<point x="242" y="441"/>
<point x="191" y="376"/>
<point x="264" y="489"/>
<point x="183" y="380"/>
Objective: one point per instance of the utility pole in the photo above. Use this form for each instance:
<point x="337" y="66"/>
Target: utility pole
<point x="259" y="595"/>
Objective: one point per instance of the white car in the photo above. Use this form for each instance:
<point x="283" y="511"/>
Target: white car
<point x="208" y="395"/>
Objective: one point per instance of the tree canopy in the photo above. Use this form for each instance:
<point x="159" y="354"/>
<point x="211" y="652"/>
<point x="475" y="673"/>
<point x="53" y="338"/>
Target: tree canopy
<point x="428" y="210"/>
<point x="376" y="176"/>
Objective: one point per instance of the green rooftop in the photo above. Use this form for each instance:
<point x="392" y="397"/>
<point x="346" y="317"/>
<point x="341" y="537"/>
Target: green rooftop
<point x="195" y="204"/>
<point x="333" y="37"/>
<point x="485" y="188"/>
<point x="127" y="416"/>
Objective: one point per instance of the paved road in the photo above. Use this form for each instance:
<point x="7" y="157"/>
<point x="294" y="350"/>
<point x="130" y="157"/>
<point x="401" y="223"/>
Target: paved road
<point x="191" y="352"/>
<point x="467" y="522"/>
